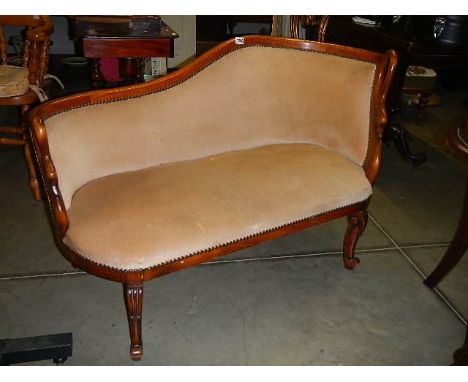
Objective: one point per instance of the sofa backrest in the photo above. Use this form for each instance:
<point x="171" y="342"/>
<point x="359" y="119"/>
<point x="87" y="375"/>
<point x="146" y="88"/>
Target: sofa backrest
<point x="249" y="97"/>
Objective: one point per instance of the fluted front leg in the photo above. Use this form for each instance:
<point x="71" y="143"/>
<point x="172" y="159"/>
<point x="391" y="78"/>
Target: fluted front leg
<point x="133" y="295"/>
<point x="356" y="225"/>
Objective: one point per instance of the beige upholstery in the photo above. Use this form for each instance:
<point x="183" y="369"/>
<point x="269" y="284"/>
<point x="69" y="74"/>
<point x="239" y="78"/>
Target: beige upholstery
<point x="13" y="80"/>
<point x="222" y="108"/>
<point x="139" y="219"/>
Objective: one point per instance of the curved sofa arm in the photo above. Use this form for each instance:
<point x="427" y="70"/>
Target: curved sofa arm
<point x="385" y="76"/>
<point x="49" y="178"/>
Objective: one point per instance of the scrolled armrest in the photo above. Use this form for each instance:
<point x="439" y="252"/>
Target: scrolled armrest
<point x="49" y="176"/>
<point x="387" y="74"/>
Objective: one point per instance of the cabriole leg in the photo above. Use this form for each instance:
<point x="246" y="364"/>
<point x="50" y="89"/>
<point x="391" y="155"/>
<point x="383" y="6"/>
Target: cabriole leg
<point x="356" y="225"/>
<point x="133" y="295"/>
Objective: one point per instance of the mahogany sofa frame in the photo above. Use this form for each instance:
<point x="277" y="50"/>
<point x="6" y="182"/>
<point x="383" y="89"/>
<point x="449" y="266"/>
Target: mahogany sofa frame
<point x="133" y="280"/>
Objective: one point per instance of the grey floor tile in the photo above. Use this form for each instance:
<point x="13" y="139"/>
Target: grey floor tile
<point x="455" y="285"/>
<point x="326" y="238"/>
<point x="283" y="312"/>
<point x="418" y="205"/>
<point x="26" y="241"/>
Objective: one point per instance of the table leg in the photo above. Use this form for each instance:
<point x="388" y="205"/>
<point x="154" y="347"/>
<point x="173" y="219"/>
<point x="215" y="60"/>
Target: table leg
<point x="97" y="79"/>
<point x="130" y="70"/>
<point x="456" y="249"/>
<point x="421" y="107"/>
<point x="460" y="356"/>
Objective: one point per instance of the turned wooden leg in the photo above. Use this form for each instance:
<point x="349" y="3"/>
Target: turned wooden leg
<point x="356" y="225"/>
<point x="130" y="70"/>
<point x="133" y="295"/>
<point x="33" y="183"/>
<point x="97" y="79"/>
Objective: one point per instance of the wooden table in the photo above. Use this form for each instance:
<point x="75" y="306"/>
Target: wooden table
<point x="128" y="38"/>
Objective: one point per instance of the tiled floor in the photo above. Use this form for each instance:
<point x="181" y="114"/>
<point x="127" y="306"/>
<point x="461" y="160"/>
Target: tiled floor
<point x="286" y="302"/>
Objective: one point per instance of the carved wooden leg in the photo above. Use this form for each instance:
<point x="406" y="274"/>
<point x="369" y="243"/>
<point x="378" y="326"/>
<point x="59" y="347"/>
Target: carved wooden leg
<point x="133" y="295"/>
<point x="356" y="225"/>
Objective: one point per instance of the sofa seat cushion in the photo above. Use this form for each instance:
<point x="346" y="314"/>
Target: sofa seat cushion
<point x="140" y="219"/>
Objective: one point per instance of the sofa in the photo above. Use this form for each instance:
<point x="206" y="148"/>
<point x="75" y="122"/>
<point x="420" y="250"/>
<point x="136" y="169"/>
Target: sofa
<point x="258" y="138"/>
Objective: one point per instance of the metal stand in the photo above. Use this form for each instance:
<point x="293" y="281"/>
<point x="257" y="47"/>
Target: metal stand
<point x="57" y="347"/>
<point x="399" y="136"/>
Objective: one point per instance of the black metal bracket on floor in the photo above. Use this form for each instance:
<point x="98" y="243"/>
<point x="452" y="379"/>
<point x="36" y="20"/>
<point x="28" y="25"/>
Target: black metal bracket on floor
<point x="57" y="347"/>
<point x="400" y="137"/>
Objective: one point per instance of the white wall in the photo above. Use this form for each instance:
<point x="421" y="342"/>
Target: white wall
<point x="185" y="46"/>
<point x="61" y="42"/>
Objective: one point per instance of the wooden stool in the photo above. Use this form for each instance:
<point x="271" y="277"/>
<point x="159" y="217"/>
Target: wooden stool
<point x="419" y="82"/>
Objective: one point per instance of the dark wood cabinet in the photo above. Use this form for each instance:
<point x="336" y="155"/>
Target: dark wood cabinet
<point x="414" y="47"/>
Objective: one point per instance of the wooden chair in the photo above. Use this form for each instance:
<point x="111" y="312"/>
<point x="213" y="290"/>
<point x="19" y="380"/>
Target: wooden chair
<point x="319" y="23"/>
<point x="35" y="57"/>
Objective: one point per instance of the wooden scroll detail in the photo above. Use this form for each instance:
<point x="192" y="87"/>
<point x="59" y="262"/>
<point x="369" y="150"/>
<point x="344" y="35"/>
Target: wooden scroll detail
<point x="379" y="117"/>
